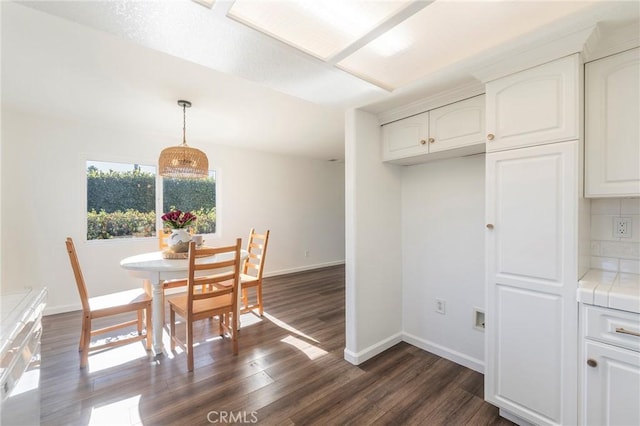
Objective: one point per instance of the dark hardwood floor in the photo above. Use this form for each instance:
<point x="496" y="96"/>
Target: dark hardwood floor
<point x="290" y="370"/>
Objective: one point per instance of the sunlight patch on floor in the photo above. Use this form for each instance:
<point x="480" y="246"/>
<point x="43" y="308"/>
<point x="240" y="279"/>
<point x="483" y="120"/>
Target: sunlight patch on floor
<point x="123" y="412"/>
<point x="249" y="319"/>
<point x="287" y="327"/>
<point x="113" y="357"/>
<point x="311" y="351"/>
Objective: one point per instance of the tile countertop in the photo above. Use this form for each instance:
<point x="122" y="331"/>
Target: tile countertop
<point x="616" y="290"/>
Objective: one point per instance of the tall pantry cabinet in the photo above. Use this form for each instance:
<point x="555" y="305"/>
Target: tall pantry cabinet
<point x="532" y="201"/>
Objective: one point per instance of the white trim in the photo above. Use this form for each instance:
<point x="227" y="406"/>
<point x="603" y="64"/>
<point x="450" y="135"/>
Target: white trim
<point x="506" y="62"/>
<point x="373" y="350"/>
<point x="603" y="42"/>
<point x="444" y="352"/>
<point x="447" y="97"/>
<point x="514" y="418"/>
<point x="52" y="310"/>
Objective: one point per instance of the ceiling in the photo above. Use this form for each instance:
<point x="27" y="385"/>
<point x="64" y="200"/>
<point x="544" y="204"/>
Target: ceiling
<point x="126" y="63"/>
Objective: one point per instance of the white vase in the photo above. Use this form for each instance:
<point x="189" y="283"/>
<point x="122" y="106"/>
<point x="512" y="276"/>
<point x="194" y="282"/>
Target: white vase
<point x="178" y="241"/>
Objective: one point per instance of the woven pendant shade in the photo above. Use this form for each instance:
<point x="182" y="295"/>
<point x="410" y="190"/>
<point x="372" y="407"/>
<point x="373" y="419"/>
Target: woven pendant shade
<point x="183" y="161"/>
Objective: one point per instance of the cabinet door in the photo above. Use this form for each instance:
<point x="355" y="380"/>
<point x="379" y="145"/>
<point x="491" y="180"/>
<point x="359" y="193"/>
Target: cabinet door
<point x="406" y="137"/>
<point x="611" y="385"/>
<point x="612" y="154"/>
<point x="533" y="107"/>
<point x="531" y="326"/>
<point x="457" y="125"/>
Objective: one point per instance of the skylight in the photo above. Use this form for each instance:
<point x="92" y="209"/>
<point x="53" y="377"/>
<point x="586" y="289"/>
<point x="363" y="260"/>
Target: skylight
<point x="393" y="43"/>
<point x="321" y="28"/>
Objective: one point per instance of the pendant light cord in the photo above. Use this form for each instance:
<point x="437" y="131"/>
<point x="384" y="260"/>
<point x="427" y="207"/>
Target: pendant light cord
<point x="184" y="124"/>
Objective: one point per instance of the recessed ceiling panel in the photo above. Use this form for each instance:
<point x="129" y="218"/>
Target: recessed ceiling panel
<point x="321" y="28"/>
<point x="446" y="32"/>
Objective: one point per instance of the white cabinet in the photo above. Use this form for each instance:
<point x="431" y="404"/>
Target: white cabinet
<point x="406" y="138"/>
<point x="457" y="125"/>
<point x="536" y="106"/>
<point x="416" y="139"/>
<point x="612" y="154"/>
<point x="532" y="313"/>
<point x="610" y="367"/>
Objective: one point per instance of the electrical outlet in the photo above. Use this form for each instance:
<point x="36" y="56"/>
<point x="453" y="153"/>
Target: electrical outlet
<point x="441" y="306"/>
<point x="621" y="227"/>
<point x="478" y="319"/>
<point x="306" y="253"/>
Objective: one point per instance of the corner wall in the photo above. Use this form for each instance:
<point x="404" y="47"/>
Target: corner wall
<point x="373" y="242"/>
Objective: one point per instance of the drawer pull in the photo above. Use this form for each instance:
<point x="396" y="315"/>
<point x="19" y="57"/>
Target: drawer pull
<point x="592" y="362"/>
<point x="422" y="142"/>
<point x="623" y="331"/>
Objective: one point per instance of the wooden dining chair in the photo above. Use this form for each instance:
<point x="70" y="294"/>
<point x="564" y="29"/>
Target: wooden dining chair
<point x="107" y="306"/>
<point x="163" y="234"/>
<point x="252" y="269"/>
<point x="212" y="290"/>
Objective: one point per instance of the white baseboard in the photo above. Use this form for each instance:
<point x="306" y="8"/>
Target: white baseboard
<point x="52" y="310"/>
<point x="302" y="268"/>
<point x="444" y="352"/>
<point x="371" y="351"/>
<point x="514" y="418"/>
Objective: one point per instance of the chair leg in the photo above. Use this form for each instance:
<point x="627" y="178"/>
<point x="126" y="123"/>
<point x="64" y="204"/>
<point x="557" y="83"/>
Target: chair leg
<point x="149" y="327"/>
<point x="234" y="332"/>
<point x="172" y="327"/>
<point x="84" y="326"/>
<point x="189" y="348"/>
<point x="220" y="323"/>
<point x="86" y="341"/>
<point x="139" y="322"/>
<point x="245" y="298"/>
<point x="259" y="296"/>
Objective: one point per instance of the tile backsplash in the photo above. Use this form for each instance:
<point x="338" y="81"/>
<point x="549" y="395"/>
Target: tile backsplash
<point x="608" y="251"/>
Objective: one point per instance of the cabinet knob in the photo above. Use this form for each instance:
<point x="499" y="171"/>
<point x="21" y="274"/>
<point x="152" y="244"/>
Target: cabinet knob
<point x="592" y="362"/>
<point x="422" y="142"/>
<point x="489" y="225"/>
<point x="431" y="140"/>
<point x="491" y="136"/>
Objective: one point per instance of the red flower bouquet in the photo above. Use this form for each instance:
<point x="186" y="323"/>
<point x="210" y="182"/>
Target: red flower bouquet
<point x="175" y="219"/>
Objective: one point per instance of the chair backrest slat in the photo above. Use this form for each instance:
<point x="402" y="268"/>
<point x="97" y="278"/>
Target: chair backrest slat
<point x="257" y="249"/>
<point x="220" y="270"/>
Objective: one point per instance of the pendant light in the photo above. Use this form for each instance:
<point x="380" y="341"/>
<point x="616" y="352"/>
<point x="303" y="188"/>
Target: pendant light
<point x="183" y="161"/>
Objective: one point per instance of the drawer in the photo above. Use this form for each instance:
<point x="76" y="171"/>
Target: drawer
<point x="620" y="328"/>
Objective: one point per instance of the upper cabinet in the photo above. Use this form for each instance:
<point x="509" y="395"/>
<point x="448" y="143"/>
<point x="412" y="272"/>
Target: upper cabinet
<point x="612" y="108"/>
<point x="457" y="125"/>
<point x="533" y="107"/>
<point x="434" y="134"/>
<point x="406" y="137"/>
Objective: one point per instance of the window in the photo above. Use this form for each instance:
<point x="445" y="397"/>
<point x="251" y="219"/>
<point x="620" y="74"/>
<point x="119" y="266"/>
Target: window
<point x="121" y="200"/>
<point x="195" y="195"/>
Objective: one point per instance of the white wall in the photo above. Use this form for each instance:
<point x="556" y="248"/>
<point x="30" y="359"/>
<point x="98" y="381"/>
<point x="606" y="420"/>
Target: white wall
<point x="373" y="241"/>
<point x="44" y="200"/>
<point x="443" y="257"/>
